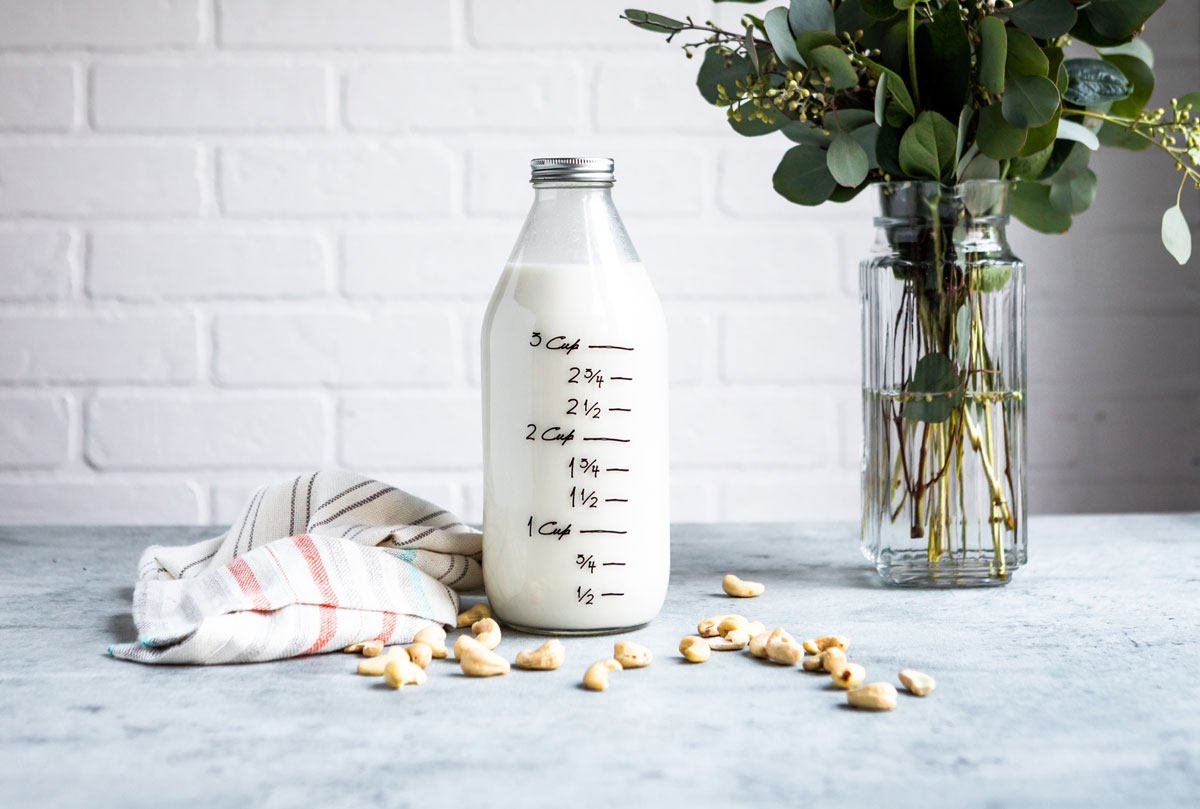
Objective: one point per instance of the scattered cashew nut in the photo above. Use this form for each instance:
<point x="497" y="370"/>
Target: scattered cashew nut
<point x="873" y="697"/>
<point x="546" y="657"/>
<point x="435" y="638"/>
<point x="694" y="648"/>
<point x="754" y="629"/>
<point x="848" y="675"/>
<point x="708" y="627"/>
<point x="731" y="623"/>
<point x="476" y="613"/>
<point x="372" y="648"/>
<point x="782" y="647"/>
<point x="374" y="666"/>
<point x="631" y="655"/>
<point x="487" y="632"/>
<point x="477" y="660"/>
<point x="419" y="653"/>
<point x="758" y="644"/>
<point x="738" y="588"/>
<point x="735" y="640"/>
<point x="917" y="682"/>
<point x="352" y="648"/>
<point x="596" y="677"/>
<point x="399" y="673"/>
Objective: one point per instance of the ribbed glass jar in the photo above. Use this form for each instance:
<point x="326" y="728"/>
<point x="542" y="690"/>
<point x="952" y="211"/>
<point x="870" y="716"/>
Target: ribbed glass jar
<point x="943" y="320"/>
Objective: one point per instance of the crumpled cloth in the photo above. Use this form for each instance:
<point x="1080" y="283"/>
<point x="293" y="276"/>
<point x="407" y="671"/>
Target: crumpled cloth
<point x="311" y="565"/>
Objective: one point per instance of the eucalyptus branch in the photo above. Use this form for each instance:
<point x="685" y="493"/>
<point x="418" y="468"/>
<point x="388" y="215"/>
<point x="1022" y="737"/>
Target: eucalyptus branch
<point x="1150" y="125"/>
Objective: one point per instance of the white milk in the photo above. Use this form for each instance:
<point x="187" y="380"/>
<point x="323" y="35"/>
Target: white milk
<point x="576" y="532"/>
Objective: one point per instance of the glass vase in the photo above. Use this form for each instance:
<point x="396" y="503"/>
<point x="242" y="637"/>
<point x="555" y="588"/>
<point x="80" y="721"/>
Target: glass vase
<point x="943" y="320"/>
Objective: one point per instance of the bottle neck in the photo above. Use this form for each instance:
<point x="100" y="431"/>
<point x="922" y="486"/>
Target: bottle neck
<point x="573" y="223"/>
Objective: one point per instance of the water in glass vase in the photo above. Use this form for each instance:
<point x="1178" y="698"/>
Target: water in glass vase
<point x="943" y="302"/>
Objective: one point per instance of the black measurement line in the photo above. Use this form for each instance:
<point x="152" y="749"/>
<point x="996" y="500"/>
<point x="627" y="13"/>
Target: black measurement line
<point x="611" y="594"/>
<point x="615" y="500"/>
<point x="620" y="410"/>
<point x="620" y="378"/>
<point x="601" y="531"/>
<point x="615" y="469"/>
<point x="612" y="564"/>
<point x="618" y="348"/>
<point x="621" y="440"/>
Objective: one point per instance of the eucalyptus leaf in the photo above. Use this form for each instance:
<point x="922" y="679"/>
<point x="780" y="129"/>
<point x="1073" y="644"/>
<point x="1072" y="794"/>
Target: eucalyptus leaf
<point x="837" y="64"/>
<point x="1030" y="101"/>
<point x="850" y="16"/>
<point x="1094" y="81"/>
<point x="867" y="136"/>
<point x="805" y="132"/>
<point x="896" y="86"/>
<point x="997" y="138"/>
<point x="1176" y="236"/>
<point x="943" y="52"/>
<point x="962" y="333"/>
<point x="1138" y="49"/>
<point x="848" y="119"/>
<point x="1024" y="57"/>
<point x="1075" y="195"/>
<point x="714" y="73"/>
<point x="992" y="277"/>
<point x="803" y="176"/>
<point x="1074" y="163"/>
<point x="1030" y="202"/>
<point x="653" y="22"/>
<point x="1069" y="130"/>
<point x="896" y="115"/>
<point x="1192" y="100"/>
<point x="993" y="52"/>
<point x="881" y="99"/>
<point x="1041" y="137"/>
<point x="811" y="15"/>
<point x="887" y="150"/>
<point x="927" y="147"/>
<point x="753" y="128"/>
<point x="1140" y="76"/>
<point x="1030" y="166"/>
<point x="964" y="127"/>
<point x="808" y="40"/>
<point x="936" y="390"/>
<point x="1045" y="19"/>
<point x="847" y="160"/>
<point x="880" y="9"/>
<point x="1120" y="19"/>
<point x="781" y="38"/>
<point x="977" y="166"/>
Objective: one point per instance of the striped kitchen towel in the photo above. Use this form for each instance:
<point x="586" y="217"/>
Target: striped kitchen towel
<point x="311" y="565"/>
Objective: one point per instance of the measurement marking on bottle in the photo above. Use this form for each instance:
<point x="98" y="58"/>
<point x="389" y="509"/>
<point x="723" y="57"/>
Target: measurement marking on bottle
<point x="618" y="348"/>
<point x="601" y="531"/>
<point x="620" y="410"/>
<point x="620" y="378"/>
<point x="615" y="500"/>
<point x="612" y="564"/>
<point x="615" y="469"/>
<point x="602" y="438"/>
<point x="611" y="594"/>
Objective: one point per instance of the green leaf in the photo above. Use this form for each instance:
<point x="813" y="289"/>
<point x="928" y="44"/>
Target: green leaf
<point x="714" y="73"/>
<point x="1031" y="166"/>
<point x="991" y="277"/>
<point x="653" y="22"/>
<point x="837" y="64"/>
<point x="814" y="39"/>
<point x="881" y="99"/>
<point x="848" y="119"/>
<point x="962" y="333"/>
<point x="927" y="147"/>
<point x="1085" y="32"/>
<point x="1030" y="101"/>
<point x="1074" y="195"/>
<point x="964" y="126"/>
<point x="1138" y="49"/>
<point x="896" y="86"/>
<point x="850" y="16"/>
<point x="1024" y="57"/>
<point x="887" y="151"/>
<point x="1093" y="81"/>
<point x="879" y="9"/>
<point x="944" y="61"/>
<point x="1116" y="135"/>
<point x="1041" y="137"/>
<point x="936" y="387"/>
<point x="847" y="160"/>
<point x="803" y="176"/>
<point x="998" y="139"/>
<point x="993" y="51"/>
<point x="1045" y="19"/>
<point x="1192" y="100"/>
<point x="754" y="128"/>
<point x="1030" y="202"/>
<point x="1176" y="236"/>
<point x="805" y="132"/>
<point x="867" y="136"/>
<point x="1069" y="130"/>
<point x="1120" y="19"/>
<point x="780" y="36"/>
<point x="904" y="5"/>
<point x="979" y="167"/>
<point x="1141" y="77"/>
<point x="811" y="15"/>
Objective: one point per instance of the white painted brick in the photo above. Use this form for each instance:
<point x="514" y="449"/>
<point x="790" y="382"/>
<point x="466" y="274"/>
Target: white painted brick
<point x="745" y="191"/>
<point x="82" y="179"/>
<point x="33" y="430"/>
<point x="784" y="495"/>
<point x="723" y="261"/>
<point x="336" y="180"/>
<point x="749" y="428"/>
<point x="184" y="430"/>
<point x="851" y="433"/>
<point x="654" y="94"/>
<point x="227" y="96"/>
<point x="102" y="24"/>
<point x="37" y="96"/>
<point x="428" y="431"/>
<point x="407" y="24"/>
<point x="694" y="496"/>
<point x="229" y="497"/>
<point x="406" y="345"/>
<point x="791" y="343"/>
<point x="692" y="343"/>
<point x="92" y="501"/>
<point x="34" y="264"/>
<point x="96" y="347"/>
<point x="426" y="260"/>
<point x="557" y="24"/>
<point x="184" y="262"/>
<point x="651" y="182"/>
<point x="510" y="95"/>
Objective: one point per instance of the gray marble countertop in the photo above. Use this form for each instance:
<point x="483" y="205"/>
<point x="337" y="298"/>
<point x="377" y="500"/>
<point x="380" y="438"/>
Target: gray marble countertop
<point x="1076" y="685"/>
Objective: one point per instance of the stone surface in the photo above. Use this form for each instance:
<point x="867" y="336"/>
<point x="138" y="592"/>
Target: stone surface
<point x="1074" y="686"/>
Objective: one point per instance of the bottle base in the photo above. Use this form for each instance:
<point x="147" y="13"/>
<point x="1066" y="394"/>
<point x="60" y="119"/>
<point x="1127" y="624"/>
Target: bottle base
<point x="542" y="630"/>
<point x="943" y="574"/>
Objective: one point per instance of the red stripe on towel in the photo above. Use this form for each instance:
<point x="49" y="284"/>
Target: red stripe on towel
<point x="316" y="567"/>
<point x="249" y="584"/>
<point x="327" y="631"/>
<point x="389" y="627"/>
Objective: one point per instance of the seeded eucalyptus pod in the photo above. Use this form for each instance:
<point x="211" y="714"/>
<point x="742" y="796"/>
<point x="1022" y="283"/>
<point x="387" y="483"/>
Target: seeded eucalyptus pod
<point x="873" y="91"/>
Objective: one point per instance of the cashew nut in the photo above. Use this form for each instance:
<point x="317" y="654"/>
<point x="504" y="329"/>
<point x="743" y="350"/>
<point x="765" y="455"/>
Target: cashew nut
<point x="435" y="638"/>
<point x="832" y="642"/>
<point x="873" y="697"/>
<point x="810" y="646"/>
<point x="477" y="660"/>
<point x="546" y="657"/>
<point x="735" y="640"/>
<point x="487" y="632"/>
<point x="398" y="673"/>
<point x="782" y="647"/>
<point x="758" y="644"/>
<point x="917" y="682"/>
<point x="694" y="648"/>
<point x="419" y="654"/>
<point x="477" y="612"/>
<point x="708" y="627"/>
<point x="737" y="588"/>
<point x="372" y="648"/>
<point x="847" y="675"/>
<point x="631" y="655"/>
<point x="754" y="629"/>
<point x="374" y="666"/>
<point x="596" y="677"/>
<point x="352" y="648"/>
<point x="731" y="623"/>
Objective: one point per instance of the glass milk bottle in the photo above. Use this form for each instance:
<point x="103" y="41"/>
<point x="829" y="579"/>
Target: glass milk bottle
<point x="576" y="535"/>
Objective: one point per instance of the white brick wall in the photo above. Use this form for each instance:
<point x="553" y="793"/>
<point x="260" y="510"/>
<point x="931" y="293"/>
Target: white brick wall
<point x="244" y="238"/>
